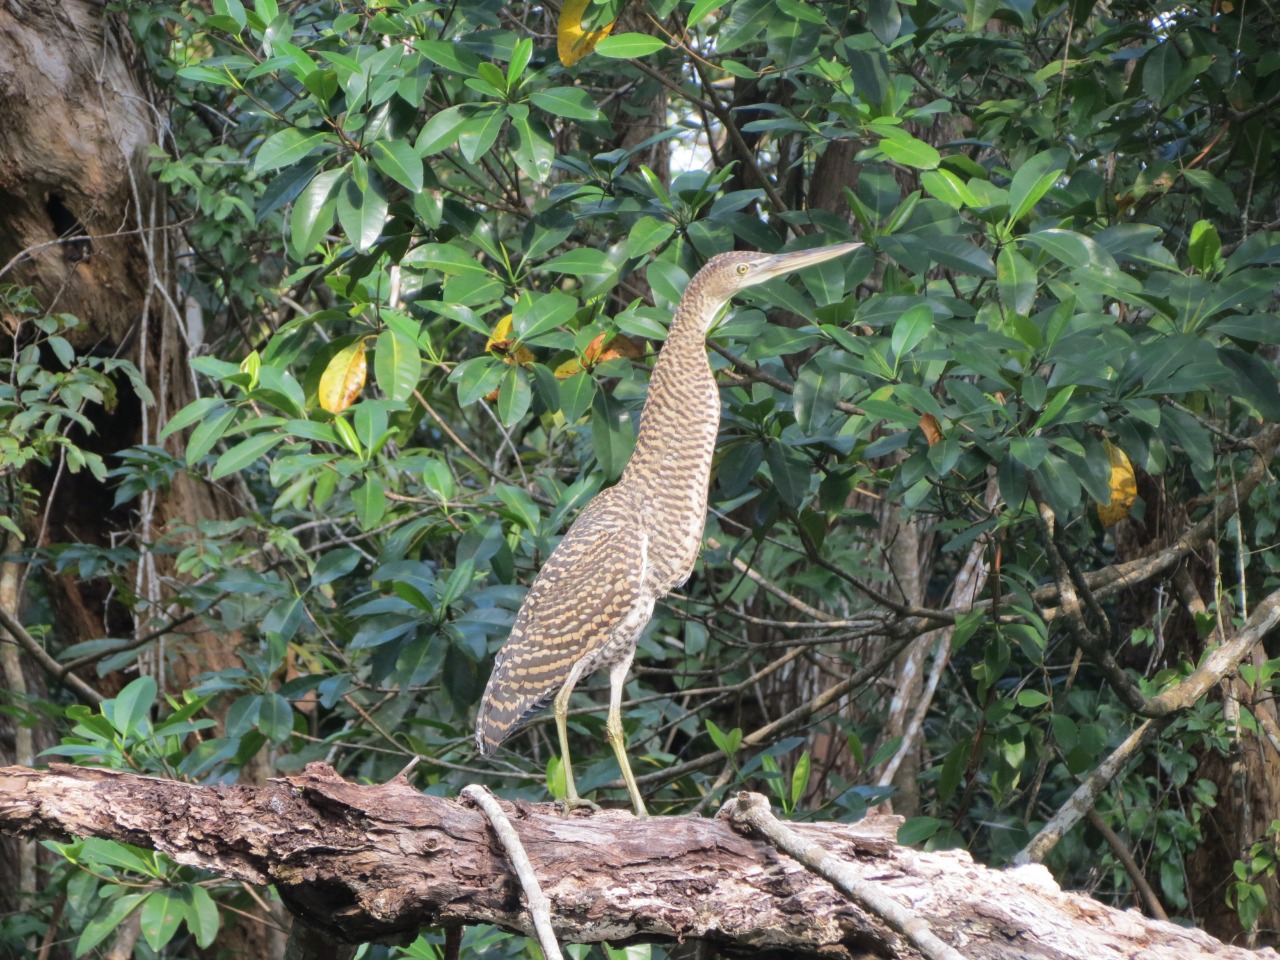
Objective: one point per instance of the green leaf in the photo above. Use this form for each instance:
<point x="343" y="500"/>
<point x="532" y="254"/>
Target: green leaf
<point x="576" y="393"/>
<point x="363" y="213"/>
<point x="1032" y="181"/>
<point x="132" y="705"/>
<point x="194" y="412"/>
<point x="790" y="474"/>
<point x="287" y="146"/>
<point x="726" y="743"/>
<point x="370" y="499"/>
<point x="162" y="912"/>
<point x="399" y="161"/>
<point x="532" y="147"/>
<point x="629" y="46"/>
<point x="397" y="365"/>
<point x="572" y="103"/>
<point x="649" y="232"/>
<point x="1032" y="698"/>
<point x="911" y="328"/>
<point x="700" y="11"/>
<point x="1068" y="246"/>
<point x="533" y="315"/>
<point x="1217" y="192"/>
<point x="202" y="916"/>
<point x="901" y="147"/>
<point x="275" y="718"/>
<point x="582" y="262"/>
<point x="478" y="134"/>
<point x="521" y="505"/>
<point x="514" y="396"/>
<point x="520" y="57"/>
<point x="98" y="929"/>
<point x="208" y="433"/>
<point x="246" y="452"/>
<point x="334" y="565"/>
<point x="612" y="438"/>
<point x="313" y="212"/>
<point x="917" y="830"/>
<point x="947" y="187"/>
<point x="1205" y="247"/>
<point x="1159" y="67"/>
<point x="453" y="57"/>
<point x="1016" y="280"/>
<point x="440" y="132"/>
<point x="203" y="74"/>
<point x="476" y="378"/>
<point x="800" y="778"/>
<point x="447" y="258"/>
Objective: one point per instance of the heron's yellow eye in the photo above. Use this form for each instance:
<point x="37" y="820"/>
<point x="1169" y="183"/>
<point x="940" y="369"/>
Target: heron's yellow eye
<point x="743" y="269"/>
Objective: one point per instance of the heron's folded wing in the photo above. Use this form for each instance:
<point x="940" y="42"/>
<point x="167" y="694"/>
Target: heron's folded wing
<point x="590" y="587"/>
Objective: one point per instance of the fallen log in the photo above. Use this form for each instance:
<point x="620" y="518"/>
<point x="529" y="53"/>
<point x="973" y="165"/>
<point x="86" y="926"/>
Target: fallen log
<point x="364" y="863"/>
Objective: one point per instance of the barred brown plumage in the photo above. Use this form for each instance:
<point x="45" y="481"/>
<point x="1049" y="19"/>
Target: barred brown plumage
<point x="633" y="542"/>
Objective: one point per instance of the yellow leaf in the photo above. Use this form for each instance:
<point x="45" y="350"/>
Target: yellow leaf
<point x="568" y="369"/>
<point x="931" y="427"/>
<point x="619" y="345"/>
<point x="502" y="344"/>
<point x="1124" y="488"/>
<point x="572" y="42"/>
<point x="343" y="378"/>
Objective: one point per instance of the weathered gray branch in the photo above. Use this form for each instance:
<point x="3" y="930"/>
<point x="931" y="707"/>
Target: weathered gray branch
<point x="378" y="862"/>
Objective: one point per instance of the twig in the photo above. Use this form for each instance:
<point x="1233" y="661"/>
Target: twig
<point x="752" y="810"/>
<point x="789" y="721"/>
<point x="539" y="905"/>
<point x="794" y="602"/>
<point x="1082" y="801"/>
<point x="1125" y="856"/>
<point x="47" y="663"/>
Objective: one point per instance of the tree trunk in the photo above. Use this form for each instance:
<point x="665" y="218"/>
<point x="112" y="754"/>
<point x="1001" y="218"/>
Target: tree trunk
<point x="86" y="228"/>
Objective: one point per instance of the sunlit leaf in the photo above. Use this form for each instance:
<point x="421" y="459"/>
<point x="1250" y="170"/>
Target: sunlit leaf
<point x="343" y="378"/>
<point x="572" y="41"/>
<point x="1124" y="487"/>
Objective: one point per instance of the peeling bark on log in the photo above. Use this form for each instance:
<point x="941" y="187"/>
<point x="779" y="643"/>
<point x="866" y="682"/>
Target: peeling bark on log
<point x="378" y="862"/>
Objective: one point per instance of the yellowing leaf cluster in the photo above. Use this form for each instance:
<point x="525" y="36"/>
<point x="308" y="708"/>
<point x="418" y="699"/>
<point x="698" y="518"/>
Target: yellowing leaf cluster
<point x="1124" y="488"/>
<point x="502" y="344"/>
<point x="598" y="351"/>
<point x="572" y="42"/>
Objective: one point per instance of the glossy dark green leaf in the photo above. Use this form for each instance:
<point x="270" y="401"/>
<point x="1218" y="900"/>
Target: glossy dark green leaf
<point x="514" y="396"/>
<point x="612" y="434"/>
<point x="397" y="365"/>
<point x="363" y="213"/>
<point x="917" y="830"/>
<point x="1016" y="279"/>
<point x="572" y="103"/>
<point x="287" y="146"/>
<point x="162" y="912"/>
<point x="576" y="393"/>
<point x="629" y="46"/>
<point x="399" y="161"/>
<point x="532" y="147"/>
<point x="313" y="212"/>
<point x="478" y="133"/>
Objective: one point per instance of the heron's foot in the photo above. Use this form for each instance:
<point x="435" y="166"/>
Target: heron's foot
<point x="569" y="804"/>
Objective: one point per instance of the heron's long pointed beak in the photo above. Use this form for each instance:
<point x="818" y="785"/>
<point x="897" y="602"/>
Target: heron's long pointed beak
<point x="779" y="263"/>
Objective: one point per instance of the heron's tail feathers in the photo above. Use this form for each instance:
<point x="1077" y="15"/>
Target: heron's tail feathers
<point x="507" y="703"/>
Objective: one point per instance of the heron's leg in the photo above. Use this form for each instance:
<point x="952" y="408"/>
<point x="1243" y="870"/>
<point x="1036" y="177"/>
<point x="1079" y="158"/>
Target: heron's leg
<point x="613" y="729"/>
<point x="561" y="709"/>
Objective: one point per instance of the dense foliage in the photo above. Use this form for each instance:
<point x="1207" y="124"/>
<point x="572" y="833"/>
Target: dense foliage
<point x="436" y="261"/>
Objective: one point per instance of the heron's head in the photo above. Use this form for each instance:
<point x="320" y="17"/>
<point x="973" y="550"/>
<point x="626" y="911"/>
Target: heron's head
<point x="727" y="273"/>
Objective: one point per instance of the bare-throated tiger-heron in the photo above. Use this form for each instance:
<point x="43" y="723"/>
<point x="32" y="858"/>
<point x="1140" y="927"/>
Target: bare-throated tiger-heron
<point x="634" y="541"/>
